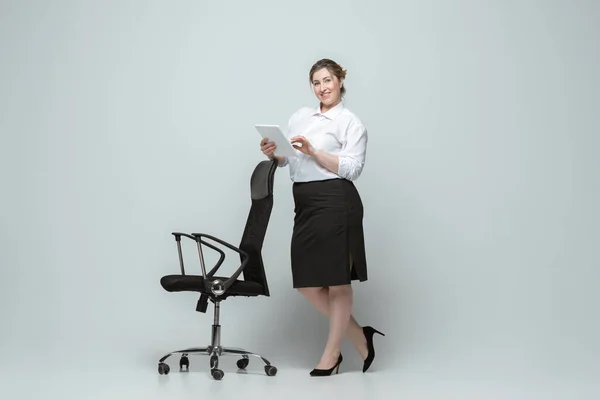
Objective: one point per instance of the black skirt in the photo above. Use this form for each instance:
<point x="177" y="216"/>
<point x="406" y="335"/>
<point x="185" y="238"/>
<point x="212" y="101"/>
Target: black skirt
<point x="327" y="246"/>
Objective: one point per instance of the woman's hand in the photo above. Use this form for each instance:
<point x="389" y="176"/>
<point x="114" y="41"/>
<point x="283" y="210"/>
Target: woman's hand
<point x="268" y="148"/>
<point x="328" y="161"/>
<point x="306" y="148"/>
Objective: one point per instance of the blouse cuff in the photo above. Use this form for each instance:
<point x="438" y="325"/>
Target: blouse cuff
<point x="284" y="163"/>
<point x="349" y="168"/>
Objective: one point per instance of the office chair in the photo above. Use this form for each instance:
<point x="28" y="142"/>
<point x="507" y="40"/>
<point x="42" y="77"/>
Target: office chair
<point x="218" y="288"/>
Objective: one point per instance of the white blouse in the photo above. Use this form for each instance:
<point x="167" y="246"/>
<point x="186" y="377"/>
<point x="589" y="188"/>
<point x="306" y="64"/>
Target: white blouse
<point x="338" y="132"/>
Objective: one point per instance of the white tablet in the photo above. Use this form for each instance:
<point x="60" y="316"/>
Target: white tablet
<point x="274" y="134"/>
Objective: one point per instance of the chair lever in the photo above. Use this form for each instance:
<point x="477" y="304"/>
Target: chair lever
<point x="202" y="303"/>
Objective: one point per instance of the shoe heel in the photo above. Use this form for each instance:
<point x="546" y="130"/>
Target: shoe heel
<point x="372" y="331"/>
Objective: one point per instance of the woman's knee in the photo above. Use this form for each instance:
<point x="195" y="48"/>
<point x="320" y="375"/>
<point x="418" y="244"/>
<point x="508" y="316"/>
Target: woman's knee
<point x="341" y="290"/>
<point x="310" y="291"/>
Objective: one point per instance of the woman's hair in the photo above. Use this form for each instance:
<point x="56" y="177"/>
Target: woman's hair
<point x="333" y="67"/>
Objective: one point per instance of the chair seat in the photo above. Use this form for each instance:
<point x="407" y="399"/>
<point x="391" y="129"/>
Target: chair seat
<point x="195" y="283"/>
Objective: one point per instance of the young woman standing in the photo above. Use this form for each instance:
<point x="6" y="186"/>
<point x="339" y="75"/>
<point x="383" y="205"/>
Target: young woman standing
<point x="327" y="249"/>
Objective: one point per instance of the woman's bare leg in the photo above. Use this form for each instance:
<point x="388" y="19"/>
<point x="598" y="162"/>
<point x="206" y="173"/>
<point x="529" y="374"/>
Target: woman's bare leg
<point x="320" y="299"/>
<point x="340" y="310"/>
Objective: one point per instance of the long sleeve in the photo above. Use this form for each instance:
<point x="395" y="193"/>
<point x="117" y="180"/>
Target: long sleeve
<point x="353" y="153"/>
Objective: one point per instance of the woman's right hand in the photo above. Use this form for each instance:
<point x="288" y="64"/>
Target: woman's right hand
<point x="268" y="148"/>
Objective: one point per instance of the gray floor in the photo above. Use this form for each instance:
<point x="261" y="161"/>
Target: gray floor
<point x="77" y="376"/>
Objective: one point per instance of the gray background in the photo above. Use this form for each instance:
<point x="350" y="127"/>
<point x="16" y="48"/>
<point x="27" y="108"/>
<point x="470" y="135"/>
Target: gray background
<point x="122" y="121"/>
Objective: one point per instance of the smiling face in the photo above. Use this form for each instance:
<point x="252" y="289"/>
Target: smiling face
<point x="327" y="88"/>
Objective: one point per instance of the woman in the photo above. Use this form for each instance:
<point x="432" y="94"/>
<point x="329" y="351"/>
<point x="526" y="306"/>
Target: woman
<point x="327" y="249"/>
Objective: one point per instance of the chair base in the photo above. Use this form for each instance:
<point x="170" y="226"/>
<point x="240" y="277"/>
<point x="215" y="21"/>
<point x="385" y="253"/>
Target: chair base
<point x="214" y="351"/>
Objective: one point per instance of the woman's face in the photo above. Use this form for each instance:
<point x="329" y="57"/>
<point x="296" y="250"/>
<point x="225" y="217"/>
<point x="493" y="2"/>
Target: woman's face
<point x="327" y="88"/>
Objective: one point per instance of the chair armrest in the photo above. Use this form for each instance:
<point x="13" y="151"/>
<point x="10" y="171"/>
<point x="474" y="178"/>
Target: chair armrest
<point x="227" y="284"/>
<point x="198" y="241"/>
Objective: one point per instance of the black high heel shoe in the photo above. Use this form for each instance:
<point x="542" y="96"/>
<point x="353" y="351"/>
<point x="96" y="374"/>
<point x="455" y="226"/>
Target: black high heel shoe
<point x="328" y="372"/>
<point x="369" y="332"/>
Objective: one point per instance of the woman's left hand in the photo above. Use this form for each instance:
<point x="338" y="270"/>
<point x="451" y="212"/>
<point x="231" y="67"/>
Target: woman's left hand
<point x="306" y="148"/>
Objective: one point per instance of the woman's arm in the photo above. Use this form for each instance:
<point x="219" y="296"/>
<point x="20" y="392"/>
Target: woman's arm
<point x="329" y="161"/>
<point x="281" y="160"/>
<point x="351" y="160"/>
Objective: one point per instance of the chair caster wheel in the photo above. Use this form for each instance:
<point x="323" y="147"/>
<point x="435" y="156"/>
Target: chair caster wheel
<point x="184" y="362"/>
<point x="217" y="374"/>
<point x="243" y="363"/>
<point x="163" y="368"/>
<point x="270" y="370"/>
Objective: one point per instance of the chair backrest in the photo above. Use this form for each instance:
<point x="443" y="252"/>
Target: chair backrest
<point x="261" y="194"/>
